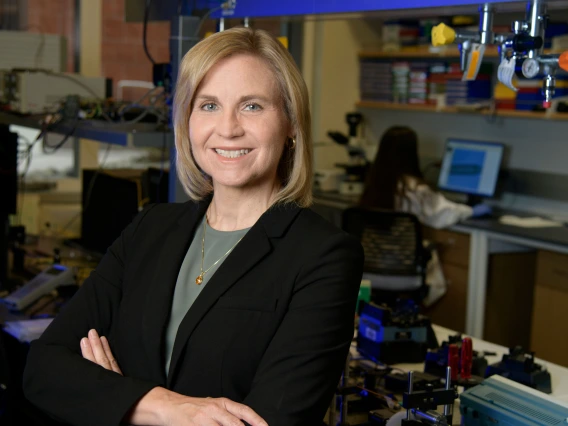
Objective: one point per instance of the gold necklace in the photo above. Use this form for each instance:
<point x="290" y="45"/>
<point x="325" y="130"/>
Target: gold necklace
<point x="199" y="278"/>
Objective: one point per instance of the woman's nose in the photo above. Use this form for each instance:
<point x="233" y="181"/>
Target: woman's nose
<point x="229" y="125"/>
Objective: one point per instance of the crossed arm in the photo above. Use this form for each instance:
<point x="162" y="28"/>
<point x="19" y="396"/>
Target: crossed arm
<point x="164" y="407"/>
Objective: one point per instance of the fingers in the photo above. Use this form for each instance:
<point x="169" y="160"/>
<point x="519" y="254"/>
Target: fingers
<point x="86" y="350"/>
<point x="113" y="363"/>
<point x="97" y="349"/>
<point x="243" y="412"/>
<point x="223" y="418"/>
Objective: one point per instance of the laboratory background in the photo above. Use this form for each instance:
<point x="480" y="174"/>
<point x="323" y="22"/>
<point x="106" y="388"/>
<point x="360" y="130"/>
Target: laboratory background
<point x="440" y="141"/>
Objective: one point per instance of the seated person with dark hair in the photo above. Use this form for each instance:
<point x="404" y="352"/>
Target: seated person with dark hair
<point x="395" y="182"/>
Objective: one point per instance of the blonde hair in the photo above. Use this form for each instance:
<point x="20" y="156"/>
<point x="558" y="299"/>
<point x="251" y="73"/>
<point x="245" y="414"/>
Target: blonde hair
<point x="295" y="167"/>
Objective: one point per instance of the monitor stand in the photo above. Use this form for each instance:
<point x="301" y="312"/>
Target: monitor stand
<point x="473" y="200"/>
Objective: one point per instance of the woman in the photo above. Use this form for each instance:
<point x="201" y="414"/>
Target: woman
<point x="395" y="182"/>
<point x="234" y="307"/>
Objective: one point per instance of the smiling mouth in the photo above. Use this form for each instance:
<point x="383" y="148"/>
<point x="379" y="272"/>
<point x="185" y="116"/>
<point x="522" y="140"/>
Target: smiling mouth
<point x="232" y="154"/>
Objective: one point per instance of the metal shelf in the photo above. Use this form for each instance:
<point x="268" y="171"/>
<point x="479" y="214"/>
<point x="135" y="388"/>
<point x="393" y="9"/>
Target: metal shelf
<point x="423" y="52"/>
<point x="456" y="110"/>
<point x="254" y="8"/>
<point x="139" y="135"/>
<point x="428" y="52"/>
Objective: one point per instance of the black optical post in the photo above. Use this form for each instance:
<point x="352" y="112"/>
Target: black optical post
<point x="8" y="191"/>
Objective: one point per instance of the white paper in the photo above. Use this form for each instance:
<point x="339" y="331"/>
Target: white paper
<point x="529" y="222"/>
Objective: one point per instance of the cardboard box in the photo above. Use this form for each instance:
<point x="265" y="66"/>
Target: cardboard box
<point x="549" y="334"/>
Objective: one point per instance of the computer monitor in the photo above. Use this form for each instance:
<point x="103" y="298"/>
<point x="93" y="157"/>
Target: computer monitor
<point x="471" y="167"/>
<point x="109" y="205"/>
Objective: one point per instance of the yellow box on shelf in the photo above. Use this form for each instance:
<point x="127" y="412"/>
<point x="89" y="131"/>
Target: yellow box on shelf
<point x="503" y="92"/>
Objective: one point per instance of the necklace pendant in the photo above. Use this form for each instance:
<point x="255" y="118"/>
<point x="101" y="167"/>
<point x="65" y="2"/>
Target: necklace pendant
<point x="199" y="279"/>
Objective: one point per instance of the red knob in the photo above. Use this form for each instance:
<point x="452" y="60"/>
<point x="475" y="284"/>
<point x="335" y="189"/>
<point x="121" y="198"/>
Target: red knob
<point x="466" y="358"/>
<point x="453" y="360"/>
<point x="546" y="104"/>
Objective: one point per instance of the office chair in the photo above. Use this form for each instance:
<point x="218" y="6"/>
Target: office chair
<point x="395" y="259"/>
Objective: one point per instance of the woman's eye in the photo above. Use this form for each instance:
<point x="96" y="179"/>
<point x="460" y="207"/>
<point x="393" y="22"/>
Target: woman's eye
<point x="209" y="107"/>
<point x="253" y="107"/>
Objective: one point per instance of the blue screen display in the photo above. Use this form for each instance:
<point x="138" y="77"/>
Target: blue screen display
<point x="466" y="168"/>
<point x="471" y="167"/>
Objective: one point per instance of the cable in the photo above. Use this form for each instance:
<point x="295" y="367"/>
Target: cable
<point x="78" y="83"/>
<point x="204" y="17"/>
<point x="57" y="146"/>
<point x="150" y="109"/>
<point x="29" y="150"/>
<point x="92" y="181"/>
<point x="39" y="50"/>
<point x="137" y="103"/>
<point x="144" y="30"/>
<point x="89" y="191"/>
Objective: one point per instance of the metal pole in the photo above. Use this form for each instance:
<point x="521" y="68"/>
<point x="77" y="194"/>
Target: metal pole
<point x="535" y="14"/>
<point x="448" y="409"/>
<point x="486" y="24"/>
<point x="410" y="386"/>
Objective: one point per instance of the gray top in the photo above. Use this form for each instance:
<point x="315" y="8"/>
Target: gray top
<point x="217" y="243"/>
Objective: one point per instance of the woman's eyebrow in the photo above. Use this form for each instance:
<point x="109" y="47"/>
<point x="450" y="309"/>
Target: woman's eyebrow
<point x="207" y="97"/>
<point x="255" y="97"/>
<point x="242" y="99"/>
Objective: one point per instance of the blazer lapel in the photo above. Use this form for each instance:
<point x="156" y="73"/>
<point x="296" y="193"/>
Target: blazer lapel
<point x="159" y="297"/>
<point x="249" y="252"/>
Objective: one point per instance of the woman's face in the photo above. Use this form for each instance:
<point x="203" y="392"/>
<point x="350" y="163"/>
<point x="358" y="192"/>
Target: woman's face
<point x="237" y="126"/>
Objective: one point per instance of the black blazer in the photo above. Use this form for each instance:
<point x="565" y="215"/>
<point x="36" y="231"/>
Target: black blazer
<point x="271" y="329"/>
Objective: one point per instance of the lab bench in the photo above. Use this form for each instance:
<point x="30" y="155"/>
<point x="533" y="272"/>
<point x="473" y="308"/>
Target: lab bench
<point x="506" y="284"/>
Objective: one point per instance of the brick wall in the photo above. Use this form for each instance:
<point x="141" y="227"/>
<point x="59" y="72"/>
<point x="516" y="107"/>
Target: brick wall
<point x="123" y="56"/>
<point x="53" y="17"/>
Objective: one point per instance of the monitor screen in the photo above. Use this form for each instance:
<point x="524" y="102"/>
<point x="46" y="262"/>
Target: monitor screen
<point x="470" y="167"/>
<point x="109" y="205"/>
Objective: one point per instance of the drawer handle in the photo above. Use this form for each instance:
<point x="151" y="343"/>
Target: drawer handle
<point x="451" y="241"/>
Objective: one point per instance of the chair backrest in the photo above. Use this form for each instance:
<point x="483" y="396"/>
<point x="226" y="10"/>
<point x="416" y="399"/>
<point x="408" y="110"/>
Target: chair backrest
<point x="392" y="241"/>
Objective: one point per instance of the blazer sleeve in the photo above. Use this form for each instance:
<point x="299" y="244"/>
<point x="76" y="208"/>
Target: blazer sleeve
<point x="57" y="379"/>
<point x="300" y="370"/>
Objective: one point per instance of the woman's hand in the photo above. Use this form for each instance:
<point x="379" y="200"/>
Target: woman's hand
<point x="188" y="411"/>
<point x="161" y="406"/>
<point x="97" y="350"/>
<point x="164" y="407"/>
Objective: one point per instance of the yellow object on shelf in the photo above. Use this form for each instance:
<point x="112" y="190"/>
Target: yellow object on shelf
<point x="462" y="20"/>
<point x="442" y="35"/>
<point x="474" y="62"/>
<point x="503" y="92"/>
<point x="284" y="41"/>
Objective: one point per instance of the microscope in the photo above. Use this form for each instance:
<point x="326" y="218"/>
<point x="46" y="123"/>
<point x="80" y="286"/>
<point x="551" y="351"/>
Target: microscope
<point x="356" y="168"/>
<point x="521" y="52"/>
